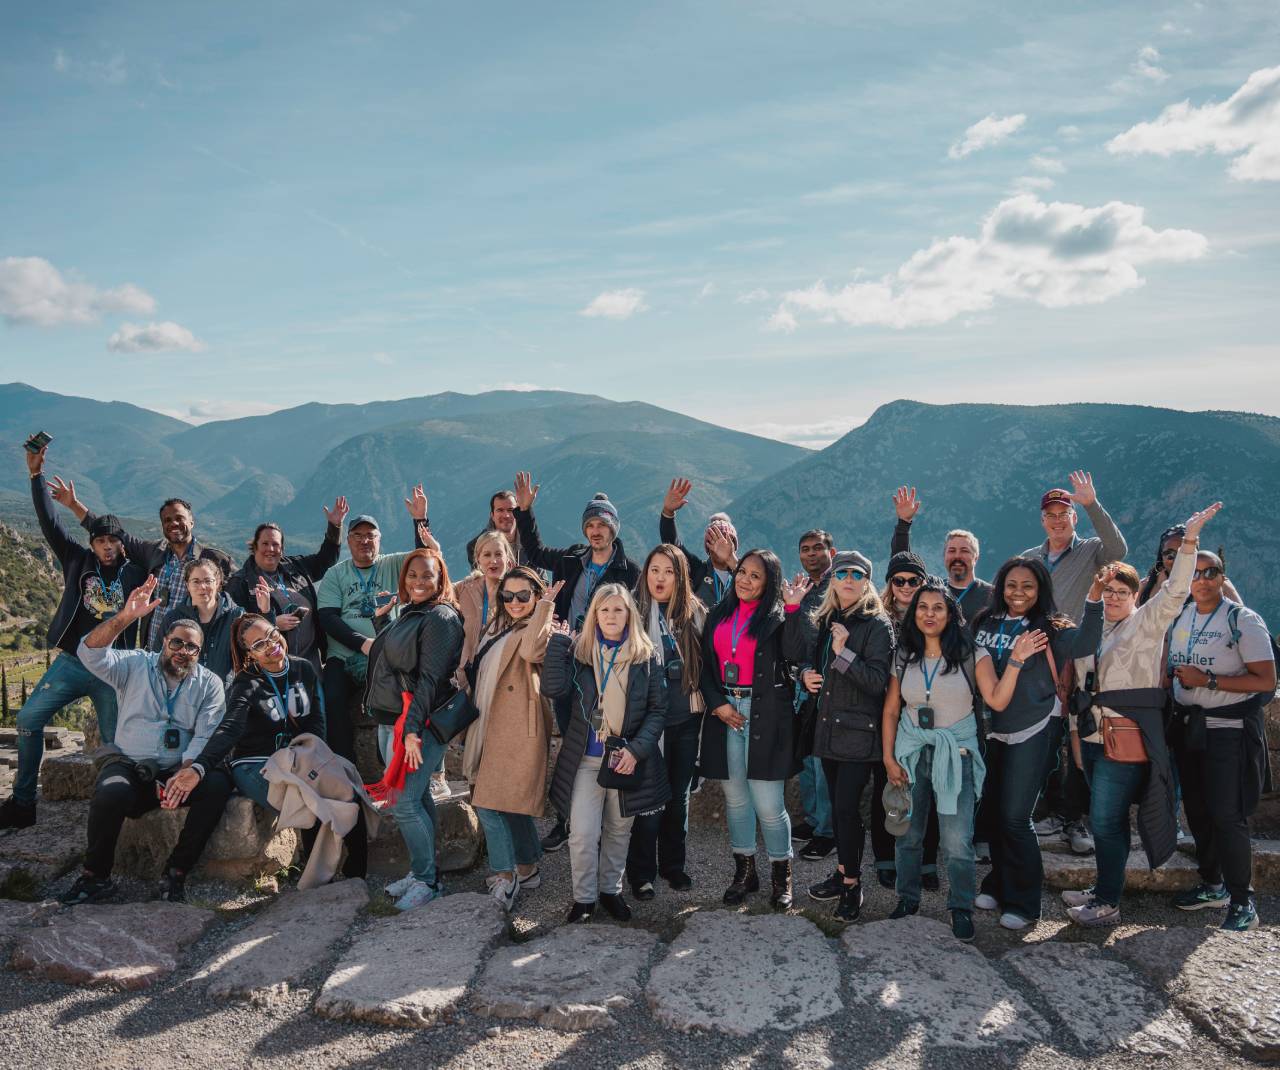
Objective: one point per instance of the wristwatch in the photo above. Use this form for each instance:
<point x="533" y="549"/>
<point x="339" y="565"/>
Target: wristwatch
<point x="1212" y="685"/>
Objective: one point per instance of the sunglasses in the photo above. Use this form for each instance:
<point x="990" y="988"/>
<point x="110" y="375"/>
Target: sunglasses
<point x="1210" y="573"/>
<point x="1168" y="555"/>
<point x="180" y="646"/>
<point x="906" y="581"/>
<point x="516" y="596"/>
<point x="849" y="574"/>
<point x="266" y="642"/>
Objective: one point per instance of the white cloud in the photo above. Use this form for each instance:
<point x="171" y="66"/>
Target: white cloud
<point x="1051" y="165"/>
<point x="986" y="132"/>
<point x="154" y="338"/>
<point x="814" y="435"/>
<point x="1070" y="132"/>
<point x="1246" y="125"/>
<point x="752" y="296"/>
<point x="1054" y="254"/>
<point x="708" y="288"/>
<point x="783" y="320"/>
<point x="508" y="384"/>
<point x="846" y="192"/>
<point x="205" y="410"/>
<point x="1144" y="72"/>
<point x="1033" y="182"/>
<point x="616" y="304"/>
<point x="35" y="293"/>
<point x="111" y="71"/>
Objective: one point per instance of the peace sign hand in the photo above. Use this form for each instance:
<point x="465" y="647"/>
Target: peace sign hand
<point x="549" y="595"/>
<point x="416" y="503"/>
<point x="62" y="493"/>
<point x="338" y="513"/>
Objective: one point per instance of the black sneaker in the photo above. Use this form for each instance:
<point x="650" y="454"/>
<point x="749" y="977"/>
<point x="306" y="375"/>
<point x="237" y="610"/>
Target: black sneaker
<point x="89" y="889"/>
<point x="580" y="912"/>
<point x="801" y="832"/>
<point x="615" y="906"/>
<point x="904" y="909"/>
<point x="679" y="880"/>
<point x="818" y="848"/>
<point x="644" y="892"/>
<point x="827" y="889"/>
<point x="557" y="837"/>
<point x="930" y="883"/>
<point x="16" y="815"/>
<point x="962" y="926"/>
<point x="850" y="905"/>
<point x="173" y="887"/>
<point x="888" y="878"/>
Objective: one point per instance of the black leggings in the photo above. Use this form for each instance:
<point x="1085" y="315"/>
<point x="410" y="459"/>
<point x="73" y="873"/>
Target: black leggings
<point x="846" y="782"/>
<point x="340" y="690"/>
<point x="1214" y="800"/>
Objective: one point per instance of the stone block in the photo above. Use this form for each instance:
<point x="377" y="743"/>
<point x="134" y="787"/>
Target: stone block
<point x="67" y="775"/>
<point x="48" y="848"/>
<point x="1065" y="870"/>
<point x="459" y="839"/>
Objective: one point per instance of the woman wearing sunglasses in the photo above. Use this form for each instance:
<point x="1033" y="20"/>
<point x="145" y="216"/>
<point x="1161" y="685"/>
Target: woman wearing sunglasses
<point x="1166" y="554"/>
<point x="272" y="698"/>
<point x="850" y="655"/>
<point x="1223" y="672"/>
<point x="505" y="754"/>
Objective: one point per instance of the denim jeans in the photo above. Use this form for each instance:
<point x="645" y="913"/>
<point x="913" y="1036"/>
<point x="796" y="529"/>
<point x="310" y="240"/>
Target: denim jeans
<point x="657" y="840"/>
<point x="814" y="798"/>
<point x="955" y="835"/>
<point x="510" y="839"/>
<point x="1114" y="787"/>
<point x="415" y="809"/>
<point x="1015" y="774"/>
<point x="746" y="800"/>
<point x="64" y="681"/>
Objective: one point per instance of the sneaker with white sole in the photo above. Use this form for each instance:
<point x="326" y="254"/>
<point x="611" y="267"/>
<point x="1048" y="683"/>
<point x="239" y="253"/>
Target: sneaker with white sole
<point x="982" y="901"/>
<point x="533" y="880"/>
<point x="440" y="789"/>
<point x="1014" y="922"/>
<point x="504" y="892"/>
<point x="1203" y="897"/>
<point x="1241" y="917"/>
<point x="397" y="888"/>
<point x="1078" y="837"/>
<point x="1077" y="897"/>
<point x="418" y="894"/>
<point x="1095" y="914"/>
<point x="1049" y="826"/>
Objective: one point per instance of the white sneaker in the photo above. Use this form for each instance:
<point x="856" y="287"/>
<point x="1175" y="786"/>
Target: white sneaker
<point x="1078" y="838"/>
<point x="533" y="880"/>
<point x="504" y="892"/>
<point x="419" y="893"/>
<point x="1094" y="914"/>
<point x="1014" y="922"/>
<point x="1077" y="898"/>
<point x="1049" y="826"/>
<point x="982" y="901"/>
<point x="440" y="789"/>
<point x="397" y="888"/>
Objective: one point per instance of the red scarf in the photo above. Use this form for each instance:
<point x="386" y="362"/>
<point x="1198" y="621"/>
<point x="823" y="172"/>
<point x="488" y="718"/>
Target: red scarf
<point x="388" y="789"/>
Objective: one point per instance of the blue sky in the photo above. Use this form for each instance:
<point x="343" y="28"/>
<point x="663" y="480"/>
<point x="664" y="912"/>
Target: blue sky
<point x="772" y="216"/>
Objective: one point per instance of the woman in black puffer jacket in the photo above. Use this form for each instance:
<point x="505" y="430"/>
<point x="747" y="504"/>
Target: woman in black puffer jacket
<point x="616" y="687"/>
<point x="851" y="653"/>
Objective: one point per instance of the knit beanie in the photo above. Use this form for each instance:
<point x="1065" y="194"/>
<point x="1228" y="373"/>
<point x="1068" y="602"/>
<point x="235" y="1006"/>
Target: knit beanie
<point x="107" y="524"/>
<point x="907" y="562"/>
<point x="720" y="522"/>
<point x="600" y="508"/>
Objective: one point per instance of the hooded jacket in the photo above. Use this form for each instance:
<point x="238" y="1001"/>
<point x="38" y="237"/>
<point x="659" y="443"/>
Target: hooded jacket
<point x="215" y="652"/>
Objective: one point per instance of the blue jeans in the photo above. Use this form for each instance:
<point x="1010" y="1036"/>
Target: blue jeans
<point x="955" y="837"/>
<point x="250" y="782"/>
<point x="415" y="810"/>
<point x="64" y="681"/>
<point x="1113" y="787"/>
<point x="814" y="798"/>
<point x="746" y="800"/>
<point x="510" y="839"/>
<point x="1015" y="774"/>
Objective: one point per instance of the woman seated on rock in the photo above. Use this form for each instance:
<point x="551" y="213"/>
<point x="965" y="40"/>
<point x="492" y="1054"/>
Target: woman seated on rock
<point x="614" y="682"/>
<point x="272" y="698"/>
<point x="505" y="754"/>
<point x="411" y="670"/>
<point x="209" y="604"/>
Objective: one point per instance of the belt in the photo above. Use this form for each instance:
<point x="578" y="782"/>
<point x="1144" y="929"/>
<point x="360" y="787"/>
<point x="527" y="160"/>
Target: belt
<point x="738" y="692"/>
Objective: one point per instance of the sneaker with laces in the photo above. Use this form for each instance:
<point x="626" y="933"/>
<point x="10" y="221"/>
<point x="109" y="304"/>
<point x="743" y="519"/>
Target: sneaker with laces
<point x="850" y="905"/>
<point x="802" y="832"/>
<point x="1241" y="917"/>
<point x="1014" y="922"/>
<point x="1078" y="837"/>
<point x="1202" y="896"/>
<point x="556" y="838"/>
<point x="904" y="909"/>
<point x="827" y="889"/>
<point x="440" y="789"/>
<point x="397" y="888"/>
<point x="962" y="926"/>
<point x="17" y="815"/>
<point x="531" y="880"/>
<point x="89" y="889"/>
<point x="1049" y="826"/>
<point x="982" y="901"/>
<point x="817" y="848"/>
<point x="1095" y="914"/>
<point x="1073" y="897"/>
<point x="417" y="894"/>
<point x="504" y="892"/>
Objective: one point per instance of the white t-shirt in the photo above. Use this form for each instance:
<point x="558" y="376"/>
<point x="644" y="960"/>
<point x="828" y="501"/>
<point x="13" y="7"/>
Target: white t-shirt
<point x="1205" y="643"/>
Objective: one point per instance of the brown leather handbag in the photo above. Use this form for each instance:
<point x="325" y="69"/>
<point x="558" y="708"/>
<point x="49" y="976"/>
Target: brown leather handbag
<point x="1122" y="740"/>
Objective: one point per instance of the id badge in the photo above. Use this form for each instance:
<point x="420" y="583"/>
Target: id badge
<point x="731" y="673"/>
<point x="924" y="717"/>
<point x="172" y="739"/>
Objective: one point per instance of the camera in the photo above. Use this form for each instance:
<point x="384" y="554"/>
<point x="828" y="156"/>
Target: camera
<point x="675" y="670"/>
<point x="172" y="739"/>
<point x="147" y="770"/>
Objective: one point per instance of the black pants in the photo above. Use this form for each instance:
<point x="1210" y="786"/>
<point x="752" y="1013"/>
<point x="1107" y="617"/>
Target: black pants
<point x="341" y="690"/>
<point x="1213" y="798"/>
<point x="356" y="864"/>
<point x="657" y="840"/>
<point x="884" y="846"/>
<point x="846" y="781"/>
<point x="1015" y="773"/>
<point x="1066" y="792"/>
<point x="119" y="794"/>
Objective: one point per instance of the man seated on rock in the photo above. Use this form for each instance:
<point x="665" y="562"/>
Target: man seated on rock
<point x="169" y="707"/>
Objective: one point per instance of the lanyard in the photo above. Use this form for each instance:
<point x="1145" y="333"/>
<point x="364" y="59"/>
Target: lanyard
<point x="606" y="673"/>
<point x="1001" y="652"/>
<point x="960" y="597"/>
<point x="1193" y="636"/>
<point x="484" y="608"/>
<point x="367" y="583"/>
<point x="929" y="677"/>
<point x="1051" y="565"/>
<point x="736" y="633"/>
<point x="169" y="700"/>
<point x="717" y="584"/>
<point x="281" y="701"/>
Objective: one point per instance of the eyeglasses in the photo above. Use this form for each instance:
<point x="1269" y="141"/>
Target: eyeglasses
<point x="270" y="639"/>
<point x="906" y="581"/>
<point x="364" y="536"/>
<point x="180" y="646"/>
<point x="1116" y="592"/>
<point x="1057" y="514"/>
<point x="1168" y="555"/>
<point x="1210" y="573"/>
<point x="849" y="574"/>
<point x="515" y="596"/>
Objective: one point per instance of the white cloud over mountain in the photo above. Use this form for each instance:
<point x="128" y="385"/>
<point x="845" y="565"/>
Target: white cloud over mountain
<point x="34" y="293"/>
<point x="154" y="338"/>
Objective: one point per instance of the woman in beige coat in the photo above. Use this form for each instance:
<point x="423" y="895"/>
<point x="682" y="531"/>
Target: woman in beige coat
<point x="505" y="755"/>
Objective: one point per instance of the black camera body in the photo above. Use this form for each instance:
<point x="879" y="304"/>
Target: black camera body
<point x="675" y="670"/>
<point x="146" y="770"/>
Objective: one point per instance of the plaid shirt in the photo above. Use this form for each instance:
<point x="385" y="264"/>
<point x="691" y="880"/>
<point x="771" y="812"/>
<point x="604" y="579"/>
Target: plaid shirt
<point x="169" y="587"/>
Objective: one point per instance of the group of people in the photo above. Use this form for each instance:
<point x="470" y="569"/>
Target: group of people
<point x="1069" y="682"/>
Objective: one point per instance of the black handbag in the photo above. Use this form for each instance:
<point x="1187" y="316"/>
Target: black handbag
<point x="453" y="718"/>
<point x="608" y="777"/>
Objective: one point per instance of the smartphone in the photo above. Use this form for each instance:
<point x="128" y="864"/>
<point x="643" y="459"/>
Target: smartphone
<point x="38" y="441"/>
<point x="383" y="600"/>
<point x="301" y="611"/>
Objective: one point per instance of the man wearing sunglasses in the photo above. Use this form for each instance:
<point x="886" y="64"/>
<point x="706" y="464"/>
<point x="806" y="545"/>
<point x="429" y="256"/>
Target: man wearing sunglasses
<point x="170" y="705"/>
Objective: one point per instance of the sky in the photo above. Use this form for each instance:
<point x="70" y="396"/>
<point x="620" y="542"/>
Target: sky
<point x="775" y="217"/>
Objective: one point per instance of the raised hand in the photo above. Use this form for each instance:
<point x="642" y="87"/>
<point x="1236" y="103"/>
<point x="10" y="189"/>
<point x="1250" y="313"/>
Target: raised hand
<point x="677" y="496"/>
<point x="561" y="627"/>
<point x="549" y="595"/>
<point x="262" y="595"/>
<point x="793" y="592"/>
<point x="1082" y="491"/>
<point x="905" y="503"/>
<point x="426" y="538"/>
<point x="722" y="550"/>
<point x="35" y="461"/>
<point x="416" y="503"/>
<point x="383" y="610"/>
<point x="1104" y="575"/>
<point x="526" y="491"/>
<point x="338" y="513"/>
<point x="140" y="603"/>
<point x="839" y="636"/>
<point x="1198" y="520"/>
<point x="63" y="493"/>
<point x="1027" y="644"/>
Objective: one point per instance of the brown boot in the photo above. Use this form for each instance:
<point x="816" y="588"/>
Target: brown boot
<point x="781" y="875"/>
<point x="745" y="879"/>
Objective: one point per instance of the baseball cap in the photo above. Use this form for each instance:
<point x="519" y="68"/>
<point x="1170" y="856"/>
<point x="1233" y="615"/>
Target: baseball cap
<point x="1056" y="495"/>
<point x="363" y="518"/>
<point x="897" y="809"/>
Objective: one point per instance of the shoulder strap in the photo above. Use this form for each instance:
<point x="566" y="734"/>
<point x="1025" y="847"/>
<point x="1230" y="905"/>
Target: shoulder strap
<point x="1053" y="665"/>
<point x="1233" y="624"/>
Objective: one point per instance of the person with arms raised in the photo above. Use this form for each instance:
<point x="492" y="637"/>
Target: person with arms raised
<point x="502" y="517"/>
<point x="1166" y="554"/>
<point x="292" y="579"/>
<point x="960" y="552"/>
<point x="710" y="575"/>
<point x="170" y="706"/>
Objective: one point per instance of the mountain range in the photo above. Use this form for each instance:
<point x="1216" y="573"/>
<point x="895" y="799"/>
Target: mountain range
<point x="981" y="467"/>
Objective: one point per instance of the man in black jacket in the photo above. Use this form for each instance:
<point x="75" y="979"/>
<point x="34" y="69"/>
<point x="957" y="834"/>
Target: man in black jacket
<point x="95" y="584"/>
<point x="582" y="567"/>
<point x="712" y="575"/>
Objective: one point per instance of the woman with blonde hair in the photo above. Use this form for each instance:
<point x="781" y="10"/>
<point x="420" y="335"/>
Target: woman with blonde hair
<point x="609" y="768"/>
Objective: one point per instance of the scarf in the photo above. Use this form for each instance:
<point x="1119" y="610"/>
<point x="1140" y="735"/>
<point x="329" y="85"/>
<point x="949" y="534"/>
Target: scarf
<point x="610" y="712"/>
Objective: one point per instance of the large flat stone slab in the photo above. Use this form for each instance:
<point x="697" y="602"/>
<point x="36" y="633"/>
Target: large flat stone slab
<point x="915" y="970"/>
<point x="130" y="946"/>
<point x="1101" y="1001"/>
<point x="411" y="969"/>
<point x="67" y="775"/>
<point x="569" y="980"/>
<point x="1227" y="983"/>
<point x="15" y="917"/>
<point x="1065" y="870"/>
<point x="48" y="848"/>
<point x="739" y="974"/>
<point x="290" y="938"/>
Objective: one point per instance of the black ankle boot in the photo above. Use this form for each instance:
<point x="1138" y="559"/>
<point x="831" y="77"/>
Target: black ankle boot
<point x="781" y="877"/>
<point x="745" y="879"/>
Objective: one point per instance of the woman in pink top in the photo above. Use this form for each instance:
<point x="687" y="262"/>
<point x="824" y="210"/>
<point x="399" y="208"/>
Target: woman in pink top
<point x="748" y="739"/>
